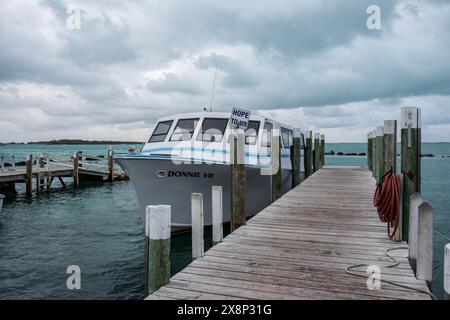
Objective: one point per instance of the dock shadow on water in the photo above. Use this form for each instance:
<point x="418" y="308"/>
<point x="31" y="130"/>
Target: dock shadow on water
<point x="97" y="228"/>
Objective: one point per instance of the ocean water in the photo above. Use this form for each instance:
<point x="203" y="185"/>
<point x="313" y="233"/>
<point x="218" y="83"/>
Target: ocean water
<point x="98" y="228"/>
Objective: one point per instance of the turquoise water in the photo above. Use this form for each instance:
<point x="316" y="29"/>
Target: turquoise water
<point x="97" y="228"/>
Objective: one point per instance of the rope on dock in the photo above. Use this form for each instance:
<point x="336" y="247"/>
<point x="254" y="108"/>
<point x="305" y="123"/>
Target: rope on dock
<point x="393" y="265"/>
<point x="441" y="235"/>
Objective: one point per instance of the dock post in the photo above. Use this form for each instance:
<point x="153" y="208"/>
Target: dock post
<point x="157" y="231"/>
<point x="49" y="174"/>
<point x="76" y="177"/>
<point x="110" y="165"/>
<point x="276" y="162"/>
<point x="398" y="233"/>
<point x="238" y="185"/>
<point x="425" y="243"/>
<point x="374" y="154"/>
<point x="390" y="145"/>
<point x="198" y="248"/>
<point x="410" y="158"/>
<point x="29" y="176"/>
<point x="2" y="163"/>
<point x="369" y="151"/>
<point x="322" y="150"/>
<point x="316" y="154"/>
<point x="39" y="180"/>
<point x="308" y="154"/>
<point x="295" y="158"/>
<point x="13" y="164"/>
<point x="415" y="201"/>
<point x="217" y="215"/>
<point x="380" y="154"/>
<point x="447" y="272"/>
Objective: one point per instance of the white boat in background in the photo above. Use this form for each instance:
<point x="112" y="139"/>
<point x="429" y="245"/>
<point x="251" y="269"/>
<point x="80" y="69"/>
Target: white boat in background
<point x="189" y="153"/>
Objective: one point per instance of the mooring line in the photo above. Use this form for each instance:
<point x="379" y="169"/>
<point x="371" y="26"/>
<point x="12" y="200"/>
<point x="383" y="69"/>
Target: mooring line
<point x="395" y="263"/>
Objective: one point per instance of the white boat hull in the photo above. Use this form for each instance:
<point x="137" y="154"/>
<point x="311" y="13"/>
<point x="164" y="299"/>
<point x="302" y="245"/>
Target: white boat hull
<point x="160" y="181"/>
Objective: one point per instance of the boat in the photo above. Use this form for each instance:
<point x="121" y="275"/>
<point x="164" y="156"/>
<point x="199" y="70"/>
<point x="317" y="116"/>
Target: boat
<point x="190" y="153"/>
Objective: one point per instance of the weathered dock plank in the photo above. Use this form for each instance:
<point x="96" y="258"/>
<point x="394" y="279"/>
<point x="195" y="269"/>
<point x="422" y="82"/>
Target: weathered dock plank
<point x="299" y="247"/>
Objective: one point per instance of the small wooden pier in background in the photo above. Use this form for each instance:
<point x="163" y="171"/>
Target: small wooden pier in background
<point x="41" y="171"/>
<point x="299" y="247"/>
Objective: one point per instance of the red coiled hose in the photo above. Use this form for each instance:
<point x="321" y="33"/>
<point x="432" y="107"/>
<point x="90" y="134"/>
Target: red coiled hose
<point x="387" y="201"/>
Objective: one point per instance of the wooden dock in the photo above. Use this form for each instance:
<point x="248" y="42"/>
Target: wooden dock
<point x="44" y="170"/>
<point x="299" y="247"/>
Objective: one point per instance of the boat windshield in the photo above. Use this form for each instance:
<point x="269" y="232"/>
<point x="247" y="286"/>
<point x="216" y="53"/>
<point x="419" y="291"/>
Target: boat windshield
<point x="160" y="132"/>
<point x="251" y="134"/>
<point x="267" y="135"/>
<point x="184" y="130"/>
<point x="286" y="135"/>
<point x="213" y="130"/>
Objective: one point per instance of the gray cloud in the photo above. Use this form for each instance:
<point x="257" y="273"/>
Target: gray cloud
<point x="132" y="62"/>
<point x="171" y="82"/>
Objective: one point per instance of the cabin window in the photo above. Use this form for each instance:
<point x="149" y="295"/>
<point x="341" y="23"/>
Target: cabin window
<point x="212" y="130"/>
<point x="160" y="132"/>
<point x="251" y="134"/>
<point x="267" y="135"/>
<point x="184" y="130"/>
<point x="286" y="135"/>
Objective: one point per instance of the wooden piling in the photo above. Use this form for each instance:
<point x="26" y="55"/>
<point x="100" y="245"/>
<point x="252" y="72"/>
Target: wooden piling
<point x="198" y="247"/>
<point x="398" y="233"/>
<point x="110" y="165"/>
<point x="425" y="243"/>
<point x="374" y="153"/>
<point x="76" y="176"/>
<point x="447" y="272"/>
<point x="295" y="158"/>
<point x="322" y="150"/>
<point x="276" y="162"/>
<point x="369" y="151"/>
<point x="2" y="163"/>
<point x="415" y="201"/>
<point x="238" y="185"/>
<point x="29" y="176"/>
<point x="217" y="214"/>
<point x="316" y="154"/>
<point x="390" y="145"/>
<point x="410" y="159"/>
<point x="13" y="164"/>
<point x="39" y="180"/>
<point x="380" y="154"/>
<point x="308" y="155"/>
<point x="157" y="226"/>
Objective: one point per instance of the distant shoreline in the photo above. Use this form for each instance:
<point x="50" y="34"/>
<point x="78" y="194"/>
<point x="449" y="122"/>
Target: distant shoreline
<point x="71" y="142"/>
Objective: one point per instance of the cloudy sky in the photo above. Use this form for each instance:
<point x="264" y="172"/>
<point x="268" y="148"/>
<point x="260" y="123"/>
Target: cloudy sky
<point x="312" y="64"/>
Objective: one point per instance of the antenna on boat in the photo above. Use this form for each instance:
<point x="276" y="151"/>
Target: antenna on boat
<point x="213" y="89"/>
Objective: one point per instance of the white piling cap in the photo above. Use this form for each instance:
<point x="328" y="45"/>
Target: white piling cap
<point x="370" y="135"/>
<point x="380" y="131"/>
<point x="297" y="133"/>
<point x="389" y="126"/>
<point x="157" y="222"/>
<point x="322" y="137"/>
<point x="317" y="135"/>
<point x="411" y="116"/>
